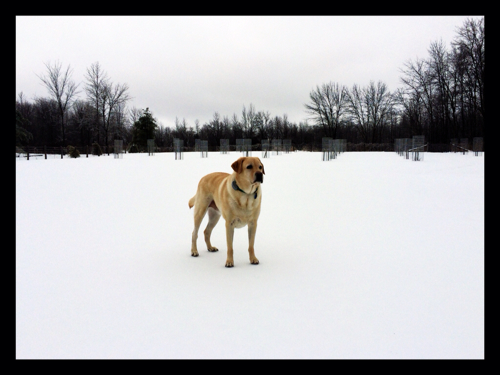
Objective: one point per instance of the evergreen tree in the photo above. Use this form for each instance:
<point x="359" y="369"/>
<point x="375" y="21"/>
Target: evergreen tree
<point x="73" y="152"/>
<point x="143" y="129"/>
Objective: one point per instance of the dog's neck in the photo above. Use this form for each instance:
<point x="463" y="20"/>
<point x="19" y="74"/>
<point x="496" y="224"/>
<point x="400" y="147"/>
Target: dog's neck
<point x="237" y="188"/>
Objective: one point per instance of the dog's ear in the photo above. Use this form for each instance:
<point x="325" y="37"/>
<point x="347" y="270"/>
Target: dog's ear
<point x="262" y="167"/>
<point x="238" y="165"/>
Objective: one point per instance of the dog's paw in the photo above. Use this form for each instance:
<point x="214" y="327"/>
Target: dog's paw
<point x="213" y="249"/>
<point x="254" y="261"/>
<point x="229" y="263"/>
<point x="194" y="253"/>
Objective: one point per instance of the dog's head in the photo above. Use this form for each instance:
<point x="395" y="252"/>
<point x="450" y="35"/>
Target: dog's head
<point x="250" y="169"/>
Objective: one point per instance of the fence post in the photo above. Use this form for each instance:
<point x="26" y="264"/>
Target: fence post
<point x="45" y="151"/>
<point x="61" y="153"/>
<point x="27" y="153"/>
<point x="87" y="150"/>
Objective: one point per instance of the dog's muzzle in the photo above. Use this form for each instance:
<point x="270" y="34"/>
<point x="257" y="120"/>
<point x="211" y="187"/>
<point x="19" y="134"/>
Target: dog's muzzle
<point x="259" y="177"/>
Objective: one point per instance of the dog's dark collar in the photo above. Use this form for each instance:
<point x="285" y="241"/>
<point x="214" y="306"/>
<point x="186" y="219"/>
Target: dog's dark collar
<point x="237" y="188"/>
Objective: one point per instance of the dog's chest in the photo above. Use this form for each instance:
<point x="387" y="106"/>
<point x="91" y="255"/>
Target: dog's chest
<point x="237" y="222"/>
<point x="244" y="210"/>
<point x="247" y="203"/>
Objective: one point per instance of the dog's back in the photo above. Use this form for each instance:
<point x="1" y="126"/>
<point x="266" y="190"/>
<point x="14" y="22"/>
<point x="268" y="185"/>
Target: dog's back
<point x="208" y="185"/>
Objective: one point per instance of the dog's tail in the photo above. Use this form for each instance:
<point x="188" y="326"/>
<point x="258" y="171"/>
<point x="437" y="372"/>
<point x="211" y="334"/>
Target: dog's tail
<point x="191" y="202"/>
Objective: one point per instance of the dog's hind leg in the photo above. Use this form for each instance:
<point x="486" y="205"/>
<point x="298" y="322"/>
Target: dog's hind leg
<point x="213" y="218"/>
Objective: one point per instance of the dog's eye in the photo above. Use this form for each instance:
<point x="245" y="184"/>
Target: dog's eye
<point x="260" y="166"/>
<point x="250" y="166"/>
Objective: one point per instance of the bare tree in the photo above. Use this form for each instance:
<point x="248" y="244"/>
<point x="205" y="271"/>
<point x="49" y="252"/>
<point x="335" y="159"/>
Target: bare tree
<point x="444" y="94"/>
<point x="226" y="128"/>
<point x="262" y="118"/>
<point x="121" y="129"/>
<point x="61" y="88"/>
<point x="96" y="81"/>
<point x="112" y="99"/>
<point x="441" y="75"/>
<point x="197" y="127"/>
<point x="24" y="107"/>
<point x="469" y="60"/>
<point x="248" y="121"/>
<point x="370" y="108"/>
<point x="107" y="99"/>
<point x="328" y="105"/>
<point x="380" y="103"/>
<point x="358" y="109"/>
<point x="216" y="128"/>
<point x="277" y="127"/>
<point x="134" y="114"/>
<point x="237" y="128"/>
<point x="416" y="97"/>
<point x="81" y="120"/>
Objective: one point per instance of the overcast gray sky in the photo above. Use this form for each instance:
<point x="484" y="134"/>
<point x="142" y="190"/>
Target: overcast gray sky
<point x="191" y="67"/>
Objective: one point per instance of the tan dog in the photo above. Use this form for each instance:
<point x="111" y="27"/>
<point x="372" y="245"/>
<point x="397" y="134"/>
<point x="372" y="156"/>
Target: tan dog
<point x="237" y="196"/>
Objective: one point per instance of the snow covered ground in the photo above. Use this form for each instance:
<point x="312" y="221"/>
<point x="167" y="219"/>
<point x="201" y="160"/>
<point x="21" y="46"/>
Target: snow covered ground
<point x="366" y="256"/>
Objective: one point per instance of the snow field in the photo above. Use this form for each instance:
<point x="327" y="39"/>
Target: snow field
<point x="365" y="256"/>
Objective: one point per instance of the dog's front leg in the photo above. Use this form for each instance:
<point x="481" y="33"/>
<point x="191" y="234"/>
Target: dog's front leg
<point x="252" y="229"/>
<point x="229" y="240"/>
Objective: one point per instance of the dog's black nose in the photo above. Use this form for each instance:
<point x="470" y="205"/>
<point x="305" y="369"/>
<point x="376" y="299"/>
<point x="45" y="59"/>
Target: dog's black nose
<point x="259" y="177"/>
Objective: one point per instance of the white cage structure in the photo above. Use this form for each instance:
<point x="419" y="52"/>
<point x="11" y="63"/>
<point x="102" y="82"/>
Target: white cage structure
<point x="224" y="146"/>
<point x="477" y="145"/>
<point x="327" y="148"/>
<point x="287" y="145"/>
<point x="266" y="148"/>
<point x="402" y="146"/>
<point x="418" y="148"/>
<point x="464" y="145"/>
<point x="204" y="149"/>
<point x="178" y="148"/>
<point x="244" y="145"/>
<point x="151" y="147"/>
<point x="118" y="149"/>
<point x="277" y="146"/>
<point x="201" y="146"/>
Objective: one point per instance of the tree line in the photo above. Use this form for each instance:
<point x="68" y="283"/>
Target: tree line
<point x="442" y="97"/>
